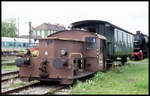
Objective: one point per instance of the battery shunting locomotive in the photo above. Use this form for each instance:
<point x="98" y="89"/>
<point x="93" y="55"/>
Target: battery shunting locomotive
<point x="64" y="56"/>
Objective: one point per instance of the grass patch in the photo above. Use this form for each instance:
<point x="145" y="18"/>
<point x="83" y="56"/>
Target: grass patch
<point x="9" y="68"/>
<point x="146" y="60"/>
<point x="17" y="84"/>
<point x="132" y="80"/>
<point x="8" y="57"/>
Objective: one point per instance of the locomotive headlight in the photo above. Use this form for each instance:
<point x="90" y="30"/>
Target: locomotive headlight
<point x="45" y="53"/>
<point x="63" y="52"/>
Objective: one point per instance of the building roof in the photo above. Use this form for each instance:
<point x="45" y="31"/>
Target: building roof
<point x="46" y="26"/>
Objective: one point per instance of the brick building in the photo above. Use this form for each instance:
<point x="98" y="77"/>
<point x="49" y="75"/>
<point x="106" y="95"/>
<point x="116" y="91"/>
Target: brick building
<point x="46" y="29"/>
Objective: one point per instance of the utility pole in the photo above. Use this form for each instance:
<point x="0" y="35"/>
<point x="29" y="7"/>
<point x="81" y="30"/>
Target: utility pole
<point x="18" y="27"/>
<point x="30" y="33"/>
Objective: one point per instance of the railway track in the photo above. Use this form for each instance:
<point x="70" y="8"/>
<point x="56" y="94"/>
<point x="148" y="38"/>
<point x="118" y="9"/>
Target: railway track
<point x="19" y="88"/>
<point x="10" y="78"/>
<point x="35" y="88"/>
<point x="29" y="88"/>
<point x="8" y="64"/>
<point x="9" y="75"/>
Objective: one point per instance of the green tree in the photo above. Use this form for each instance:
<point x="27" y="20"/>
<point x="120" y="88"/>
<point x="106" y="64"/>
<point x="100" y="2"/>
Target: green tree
<point x="8" y="29"/>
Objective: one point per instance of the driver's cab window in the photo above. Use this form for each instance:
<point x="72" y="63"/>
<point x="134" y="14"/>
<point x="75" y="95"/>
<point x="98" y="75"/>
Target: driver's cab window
<point x="49" y="42"/>
<point x="90" y="42"/>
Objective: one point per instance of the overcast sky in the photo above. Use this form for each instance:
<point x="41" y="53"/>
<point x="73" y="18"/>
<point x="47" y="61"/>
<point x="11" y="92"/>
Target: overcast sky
<point x="130" y="16"/>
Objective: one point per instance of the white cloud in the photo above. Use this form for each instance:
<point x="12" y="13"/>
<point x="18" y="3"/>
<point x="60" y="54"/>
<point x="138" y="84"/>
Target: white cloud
<point x="131" y="16"/>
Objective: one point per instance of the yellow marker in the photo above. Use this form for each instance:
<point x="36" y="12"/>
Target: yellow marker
<point x="80" y="56"/>
<point x="70" y="39"/>
<point x="35" y="53"/>
<point x="64" y="39"/>
<point x="75" y="53"/>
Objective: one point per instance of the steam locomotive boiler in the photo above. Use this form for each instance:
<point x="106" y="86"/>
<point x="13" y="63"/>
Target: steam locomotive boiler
<point x="64" y="56"/>
<point x="141" y="47"/>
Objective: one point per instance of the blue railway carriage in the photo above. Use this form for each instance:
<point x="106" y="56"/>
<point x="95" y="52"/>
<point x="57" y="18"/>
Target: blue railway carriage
<point x="119" y="42"/>
<point x="13" y="45"/>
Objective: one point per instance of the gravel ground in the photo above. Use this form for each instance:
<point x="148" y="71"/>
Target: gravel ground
<point x="36" y="90"/>
<point x="64" y="91"/>
<point x="5" y="85"/>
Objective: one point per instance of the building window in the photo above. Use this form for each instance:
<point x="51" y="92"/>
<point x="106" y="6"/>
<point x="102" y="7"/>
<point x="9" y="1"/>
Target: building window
<point x="55" y="31"/>
<point x="24" y="44"/>
<point x="49" y="32"/>
<point x="41" y="33"/>
<point x="46" y="33"/>
<point x="32" y="33"/>
<point x="35" y="33"/>
<point x="38" y="33"/>
<point x="19" y="45"/>
<point x="10" y="44"/>
<point x="3" y="44"/>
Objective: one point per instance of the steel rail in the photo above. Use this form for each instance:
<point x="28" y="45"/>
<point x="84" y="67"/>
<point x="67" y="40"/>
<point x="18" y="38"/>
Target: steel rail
<point x="20" y="88"/>
<point x="30" y="85"/>
<point x="11" y="72"/>
<point x="7" y="79"/>
<point x="8" y="64"/>
<point x="57" y="89"/>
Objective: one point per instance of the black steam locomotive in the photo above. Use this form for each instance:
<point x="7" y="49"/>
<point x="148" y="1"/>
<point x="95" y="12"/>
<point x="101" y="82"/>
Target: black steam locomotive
<point x="141" y="46"/>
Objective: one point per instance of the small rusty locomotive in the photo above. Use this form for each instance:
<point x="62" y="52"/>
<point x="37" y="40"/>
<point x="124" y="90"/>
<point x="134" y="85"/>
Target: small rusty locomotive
<point x="64" y="56"/>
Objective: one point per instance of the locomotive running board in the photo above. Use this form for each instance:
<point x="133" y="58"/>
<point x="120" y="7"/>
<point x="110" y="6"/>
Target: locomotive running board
<point x="84" y="74"/>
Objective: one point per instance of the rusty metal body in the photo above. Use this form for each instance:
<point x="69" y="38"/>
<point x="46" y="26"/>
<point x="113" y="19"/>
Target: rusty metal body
<point x="64" y="56"/>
